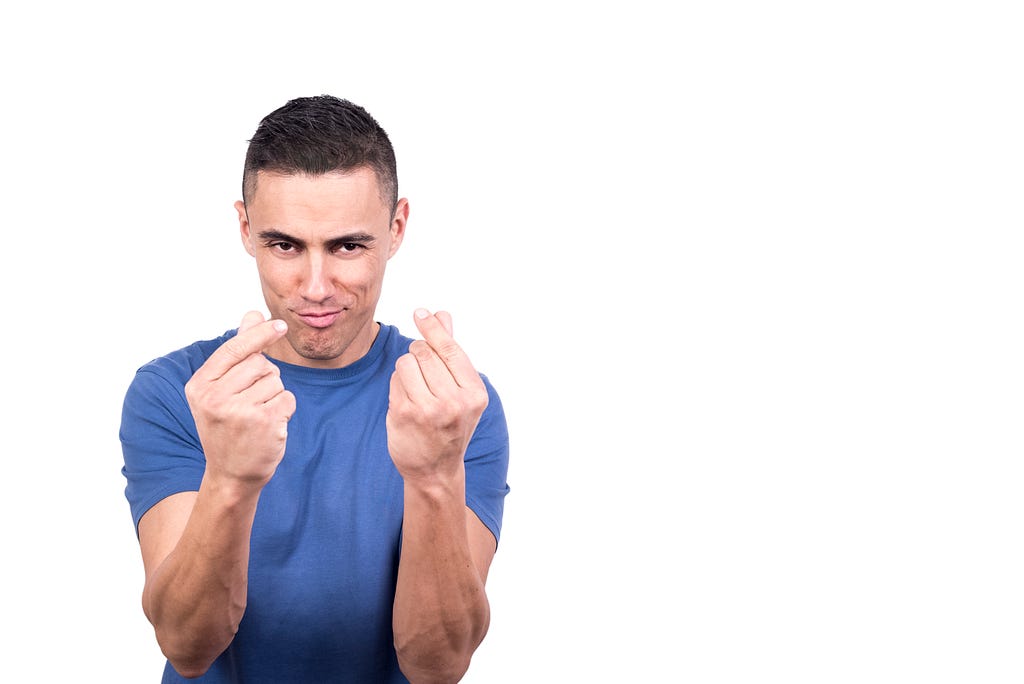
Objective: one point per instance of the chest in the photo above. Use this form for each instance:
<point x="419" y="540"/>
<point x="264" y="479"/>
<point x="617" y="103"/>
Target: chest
<point x="335" y="503"/>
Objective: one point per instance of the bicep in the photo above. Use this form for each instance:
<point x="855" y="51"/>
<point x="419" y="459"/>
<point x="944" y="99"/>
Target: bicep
<point x="482" y="543"/>
<point x="162" y="526"/>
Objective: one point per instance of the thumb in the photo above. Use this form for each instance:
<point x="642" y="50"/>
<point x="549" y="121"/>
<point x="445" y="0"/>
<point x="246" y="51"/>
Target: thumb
<point x="252" y="318"/>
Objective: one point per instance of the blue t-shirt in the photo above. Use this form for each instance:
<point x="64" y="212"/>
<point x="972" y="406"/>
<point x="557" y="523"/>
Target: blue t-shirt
<point x="325" y="540"/>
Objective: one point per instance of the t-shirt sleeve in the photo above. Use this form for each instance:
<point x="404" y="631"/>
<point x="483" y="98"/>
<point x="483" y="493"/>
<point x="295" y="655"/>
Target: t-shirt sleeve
<point x="487" y="464"/>
<point x="162" y="453"/>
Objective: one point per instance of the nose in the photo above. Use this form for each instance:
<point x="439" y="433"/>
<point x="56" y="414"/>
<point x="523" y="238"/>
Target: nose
<point x="316" y="281"/>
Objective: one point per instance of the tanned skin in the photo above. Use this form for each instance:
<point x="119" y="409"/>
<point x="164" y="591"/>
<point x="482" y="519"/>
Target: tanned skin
<point x="321" y="244"/>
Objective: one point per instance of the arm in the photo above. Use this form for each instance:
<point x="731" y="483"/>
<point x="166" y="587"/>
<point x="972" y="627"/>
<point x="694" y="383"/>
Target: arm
<point x="441" y="613"/>
<point x="195" y="545"/>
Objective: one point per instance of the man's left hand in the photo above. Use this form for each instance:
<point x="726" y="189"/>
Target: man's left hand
<point x="435" y="402"/>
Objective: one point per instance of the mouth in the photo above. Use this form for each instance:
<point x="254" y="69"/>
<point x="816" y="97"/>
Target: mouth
<point x="318" y="319"/>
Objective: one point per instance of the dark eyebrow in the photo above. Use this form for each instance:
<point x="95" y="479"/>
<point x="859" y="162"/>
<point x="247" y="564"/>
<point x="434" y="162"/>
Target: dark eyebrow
<point x="276" y="235"/>
<point x="332" y="243"/>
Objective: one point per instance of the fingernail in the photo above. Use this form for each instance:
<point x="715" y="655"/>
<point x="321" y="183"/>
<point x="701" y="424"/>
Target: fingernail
<point x="280" y="326"/>
<point x="422" y="313"/>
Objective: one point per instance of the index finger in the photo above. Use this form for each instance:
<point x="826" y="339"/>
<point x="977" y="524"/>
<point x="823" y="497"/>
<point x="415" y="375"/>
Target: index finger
<point x="436" y="333"/>
<point x="243" y="345"/>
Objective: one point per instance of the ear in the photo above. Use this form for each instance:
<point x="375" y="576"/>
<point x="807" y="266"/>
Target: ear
<point x="398" y="222"/>
<point x="243" y="227"/>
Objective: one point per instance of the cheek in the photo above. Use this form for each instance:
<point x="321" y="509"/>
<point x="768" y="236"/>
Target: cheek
<point x="363" y="274"/>
<point x="275" y="274"/>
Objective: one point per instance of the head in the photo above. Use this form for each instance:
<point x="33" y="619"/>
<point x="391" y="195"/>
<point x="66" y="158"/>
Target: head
<point x="321" y="216"/>
<point x="318" y="135"/>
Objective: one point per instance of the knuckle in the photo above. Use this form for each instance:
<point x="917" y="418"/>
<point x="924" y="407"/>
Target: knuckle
<point x="235" y="349"/>
<point x="265" y="366"/>
<point x="478" y="399"/>
<point x="407" y="411"/>
<point x="467" y="407"/>
<point x="449" y="350"/>
<point x="420" y="350"/>
<point x="407" y="361"/>
<point x="401" y="410"/>
<point x="256" y="363"/>
<point x="432" y="412"/>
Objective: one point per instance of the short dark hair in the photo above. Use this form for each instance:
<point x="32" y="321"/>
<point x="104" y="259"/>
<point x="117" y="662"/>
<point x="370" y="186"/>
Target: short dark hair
<point x="318" y="135"/>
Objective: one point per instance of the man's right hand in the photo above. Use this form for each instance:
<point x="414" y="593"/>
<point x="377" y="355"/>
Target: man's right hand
<point x="240" y="406"/>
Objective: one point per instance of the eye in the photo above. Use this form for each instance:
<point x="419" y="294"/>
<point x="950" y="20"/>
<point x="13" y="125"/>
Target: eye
<point x="350" y="247"/>
<point x="281" y="246"/>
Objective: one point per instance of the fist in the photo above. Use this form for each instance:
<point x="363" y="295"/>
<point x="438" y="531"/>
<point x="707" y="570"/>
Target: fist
<point x="435" y="402"/>
<point x="240" y="406"/>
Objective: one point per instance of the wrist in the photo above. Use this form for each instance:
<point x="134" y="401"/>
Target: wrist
<point x="230" y="489"/>
<point x="438" y="487"/>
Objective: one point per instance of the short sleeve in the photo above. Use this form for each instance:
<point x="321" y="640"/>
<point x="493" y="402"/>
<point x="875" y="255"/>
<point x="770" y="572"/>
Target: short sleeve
<point x="159" y="441"/>
<point x="487" y="464"/>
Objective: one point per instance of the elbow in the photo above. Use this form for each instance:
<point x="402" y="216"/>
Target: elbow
<point x="189" y="662"/>
<point x="447" y="670"/>
<point x="441" y="657"/>
<point x="192" y="645"/>
<point x="189" y="670"/>
<point x="191" y="656"/>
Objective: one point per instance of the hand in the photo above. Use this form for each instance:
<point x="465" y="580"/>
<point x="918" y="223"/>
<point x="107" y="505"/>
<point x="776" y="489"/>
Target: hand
<point x="436" y="400"/>
<point x="240" y="406"/>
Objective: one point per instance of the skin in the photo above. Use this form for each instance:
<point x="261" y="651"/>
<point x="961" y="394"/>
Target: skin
<point x="321" y="244"/>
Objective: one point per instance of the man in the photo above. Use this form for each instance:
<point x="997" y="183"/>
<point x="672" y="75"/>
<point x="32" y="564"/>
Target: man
<point x="317" y="498"/>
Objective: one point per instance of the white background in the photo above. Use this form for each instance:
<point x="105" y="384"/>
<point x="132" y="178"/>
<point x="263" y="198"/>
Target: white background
<point x="746" y="275"/>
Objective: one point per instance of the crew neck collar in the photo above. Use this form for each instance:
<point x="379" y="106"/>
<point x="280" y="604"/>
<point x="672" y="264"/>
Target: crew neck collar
<point x="384" y="333"/>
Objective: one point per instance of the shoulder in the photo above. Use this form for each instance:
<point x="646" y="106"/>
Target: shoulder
<point x="180" y="364"/>
<point x="163" y="379"/>
<point x="392" y="340"/>
<point x="156" y="393"/>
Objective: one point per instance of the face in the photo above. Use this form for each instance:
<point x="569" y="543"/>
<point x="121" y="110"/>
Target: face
<point x="321" y="244"/>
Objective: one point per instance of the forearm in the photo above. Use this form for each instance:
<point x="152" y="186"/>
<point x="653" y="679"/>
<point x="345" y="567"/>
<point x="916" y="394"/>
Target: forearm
<point x="441" y="612"/>
<point x="196" y="598"/>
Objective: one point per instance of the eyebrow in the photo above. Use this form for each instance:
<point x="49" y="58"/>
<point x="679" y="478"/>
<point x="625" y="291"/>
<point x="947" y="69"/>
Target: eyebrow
<point x="358" y="237"/>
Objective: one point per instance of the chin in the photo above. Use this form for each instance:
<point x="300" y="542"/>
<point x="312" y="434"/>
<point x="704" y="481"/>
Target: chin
<point x="317" y="352"/>
<point x="319" y="345"/>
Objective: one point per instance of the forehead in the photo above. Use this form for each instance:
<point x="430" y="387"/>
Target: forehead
<point x="341" y="199"/>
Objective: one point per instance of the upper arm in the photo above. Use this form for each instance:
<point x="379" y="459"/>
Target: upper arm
<point x="161" y="527"/>
<point x="482" y="544"/>
<point x="486" y="465"/>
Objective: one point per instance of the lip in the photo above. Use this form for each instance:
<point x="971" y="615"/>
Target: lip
<point x="318" y="319"/>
